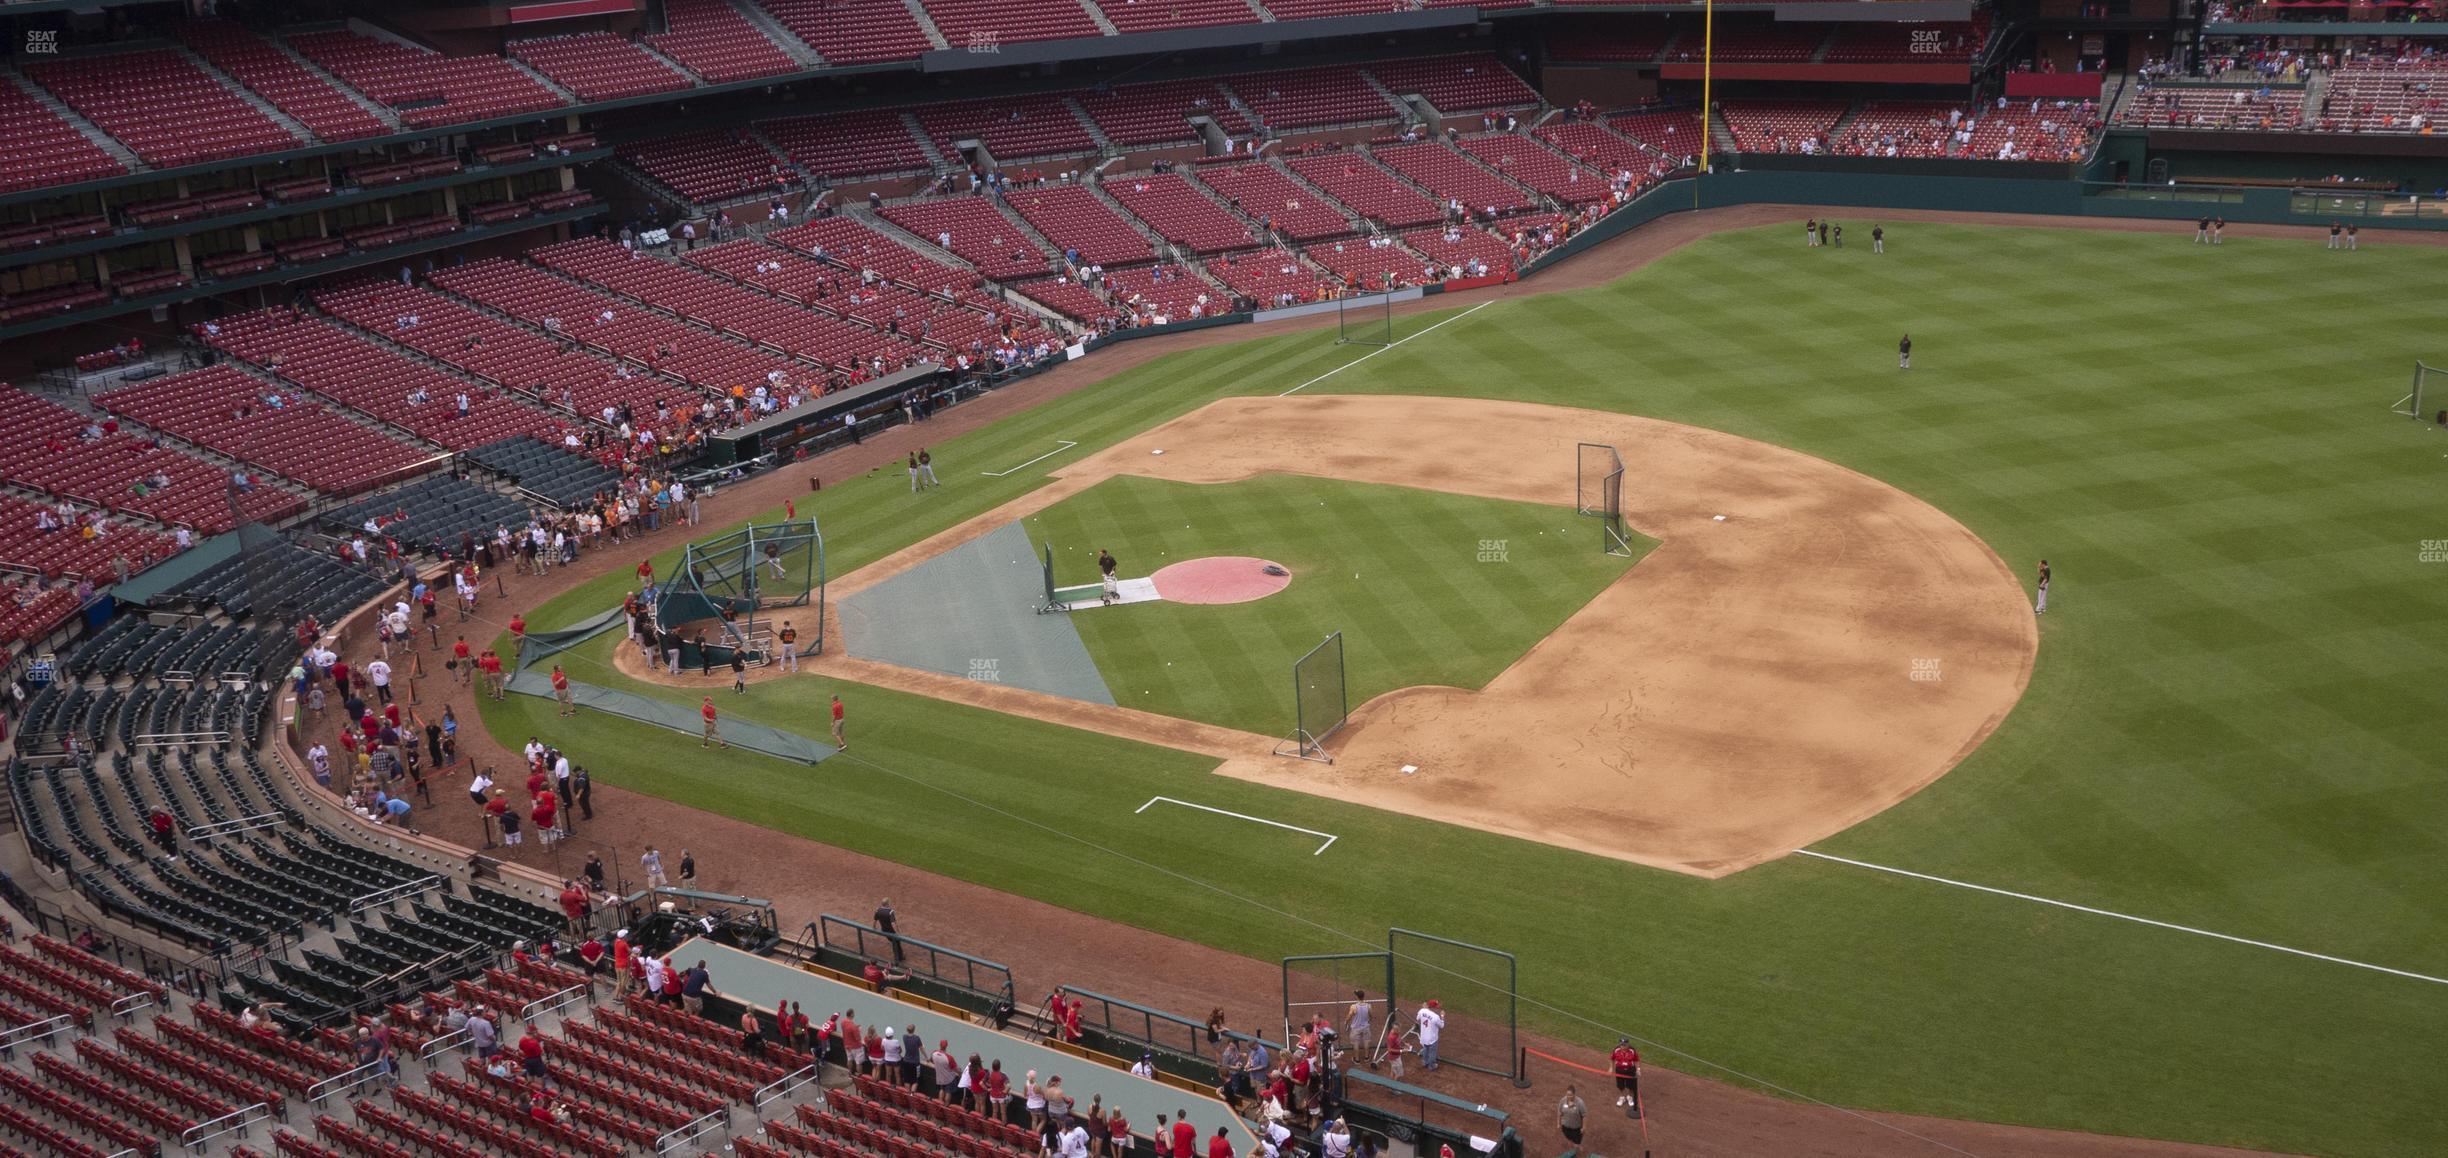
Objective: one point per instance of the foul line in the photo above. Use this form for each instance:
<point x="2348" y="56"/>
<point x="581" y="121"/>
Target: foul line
<point x="2127" y="917"/>
<point x="1382" y="349"/>
<point x="1066" y="444"/>
<point x="1153" y="801"/>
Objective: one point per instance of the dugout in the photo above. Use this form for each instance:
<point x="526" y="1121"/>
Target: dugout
<point x="785" y="430"/>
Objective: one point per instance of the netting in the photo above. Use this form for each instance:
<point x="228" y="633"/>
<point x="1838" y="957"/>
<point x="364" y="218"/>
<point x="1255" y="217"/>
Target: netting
<point x="1475" y="985"/>
<point x="1324" y="985"/>
<point x="746" y="573"/>
<point x="1365" y="320"/>
<point x="1320" y="704"/>
<point x="1598" y="480"/>
<point x="2412" y="404"/>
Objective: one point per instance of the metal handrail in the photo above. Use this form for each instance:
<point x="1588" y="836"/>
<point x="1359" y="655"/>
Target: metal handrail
<point x="343" y="1081"/>
<point x="550" y="1002"/>
<point x="128" y="1005"/>
<point x="383" y="897"/>
<point x="194" y="1137"/>
<point x="36" y="1031"/>
<point x="685" y="1134"/>
<point x="443" y="1044"/>
<point x="202" y="832"/>
<point x="781" y="1087"/>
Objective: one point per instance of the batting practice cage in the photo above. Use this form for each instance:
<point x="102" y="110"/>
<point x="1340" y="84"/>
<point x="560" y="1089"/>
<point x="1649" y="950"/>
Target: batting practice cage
<point x="1598" y="480"/>
<point x="2412" y="404"/>
<point x="1478" y="989"/>
<point x="1364" y="320"/>
<point x="1320" y="705"/>
<point x="757" y="574"/>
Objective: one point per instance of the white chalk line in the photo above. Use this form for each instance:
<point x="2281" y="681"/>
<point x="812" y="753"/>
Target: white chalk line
<point x="2411" y="976"/>
<point x="1382" y="349"/>
<point x="1153" y="801"/>
<point x="1066" y="444"/>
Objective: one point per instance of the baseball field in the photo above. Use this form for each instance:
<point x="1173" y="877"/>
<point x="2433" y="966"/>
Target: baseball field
<point x="2225" y="726"/>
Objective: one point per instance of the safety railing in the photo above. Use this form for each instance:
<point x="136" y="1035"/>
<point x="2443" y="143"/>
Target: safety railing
<point x="344" y="1081"/>
<point x="443" y="1044"/>
<point x="235" y="1122"/>
<point x="128" y="1005"/>
<point x="991" y="980"/>
<point x="33" y="1031"/>
<point x="221" y="828"/>
<point x="781" y="1087"/>
<point x="554" y="1001"/>
<point x="685" y="1134"/>
<point x="383" y="898"/>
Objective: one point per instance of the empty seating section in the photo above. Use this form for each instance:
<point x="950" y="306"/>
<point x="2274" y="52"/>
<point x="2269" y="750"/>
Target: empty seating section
<point x="1180" y="213"/>
<point x="42" y="150"/>
<point x="598" y="66"/>
<point x="273" y="75"/>
<point x="835" y="290"/>
<point x="972" y="229"/>
<point x="228" y="411"/>
<point x="650" y="339"/>
<point x="1759" y="42"/>
<point x="723" y="306"/>
<point x="984" y="23"/>
<point x="1072" y="217"/>
<point x="1367" y="262"/>
<point x="431" y="513"/>
<point x="1012" y="128"/>
<point x="1464" y="84"/>
<point x="853" y="31"/>
<point x="159" y="104"/>
<point x="853" y="245"/>
<point x="1367" y="190"/>
<point x="716" y="165"/>
<point x="1457" y="245"/>
<point x="1530" y="163"/>
<point x="841" y="144"/>
<point x="1779" y="126"/>
<point x="47" y="451"/>
<point x="710" y="38"/>
<point x="1309" y="97"/>
<point x="498" y="353"/>
<point x="1316" y="9"/>
<point x="1592" y="145"/>
<point x="1174" y="291"/>
<point x="1447" y="174"/>
<point x="1068" y="298"/>
<point x="1156" y="114"/>
<point x="66" y="550"/>
<point x="1268" y="196"/>
<point x="1271" y="277"/>
<point x="1618" y="40"/>
<point x="426" y="88"/>
<point x="1676" y="133"/>
<point x="1155" y="15"/>
<point x="330" y="361"/>
<point x="2173" y="106"/>
<point x="2378" y="96"/>
<point x="560" y="477"/>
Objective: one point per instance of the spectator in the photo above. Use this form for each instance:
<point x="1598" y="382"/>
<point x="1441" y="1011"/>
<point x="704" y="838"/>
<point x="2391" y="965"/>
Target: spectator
<point x="694" y="985"/>
<point x="887" y="922"/>
<point x="1431" y="1019"/>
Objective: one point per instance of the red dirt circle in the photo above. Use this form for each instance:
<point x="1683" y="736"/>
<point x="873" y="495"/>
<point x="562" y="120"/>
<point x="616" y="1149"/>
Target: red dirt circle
<point x="1219" y="579"/>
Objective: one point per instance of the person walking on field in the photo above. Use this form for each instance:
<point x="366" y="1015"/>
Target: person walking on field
<point x="926" y="468"/>
<point x="713" y="729"/>
<point x="2041" y="606"/>
<point x="839" y="744"/>
<point x="1904" y="353"/>
<point x="1106" y="567"/>
<point x="1810" y="233"/>
<point x="913" y="472"/>
<point x="787" y="650"/>
<point x="1878" y="239"/>
<point x="739" y="671"/>
<point x="1357" y="1022"/>
<point x="561" y="691"/>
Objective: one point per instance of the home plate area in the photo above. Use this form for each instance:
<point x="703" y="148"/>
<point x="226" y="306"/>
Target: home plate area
<point x="1215" y="579"/>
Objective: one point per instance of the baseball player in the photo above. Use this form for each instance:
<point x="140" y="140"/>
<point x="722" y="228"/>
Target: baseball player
<point x="1105" y="568"/>
<point x="2041" y="607"/>
<point x="1904" y="353"/>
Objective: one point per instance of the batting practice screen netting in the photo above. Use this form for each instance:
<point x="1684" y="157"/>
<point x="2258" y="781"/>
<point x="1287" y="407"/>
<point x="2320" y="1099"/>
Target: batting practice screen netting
<point x="1365" y="320"/>
<point x="1598" y="481"/>
<point x="1320" y="705"/>
<point x="2412" y="404"/>
<point x="756" y="569"/>
<point x="1476" y="985"/>
<point x="1321" y="985"/>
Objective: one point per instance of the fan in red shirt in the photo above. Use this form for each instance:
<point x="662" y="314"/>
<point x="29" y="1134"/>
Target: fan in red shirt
<point x="1219" y="1146"/>
<point x="1627" y="1074"/>
<point x="547" y="809"/>
<point x="1185" y="1136"/>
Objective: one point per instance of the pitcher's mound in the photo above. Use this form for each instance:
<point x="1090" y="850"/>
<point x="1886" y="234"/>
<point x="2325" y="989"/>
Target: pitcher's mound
<point x="1220" y="579"/>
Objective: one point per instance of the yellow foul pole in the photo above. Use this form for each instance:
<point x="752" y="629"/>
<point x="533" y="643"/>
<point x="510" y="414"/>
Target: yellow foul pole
<point x="1708" y="57"/>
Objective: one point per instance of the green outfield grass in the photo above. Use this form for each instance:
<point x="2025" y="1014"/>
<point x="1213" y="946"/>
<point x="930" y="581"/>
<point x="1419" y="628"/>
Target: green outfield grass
<point x="1426" y="588"/>
<point x="2232" y="724"/>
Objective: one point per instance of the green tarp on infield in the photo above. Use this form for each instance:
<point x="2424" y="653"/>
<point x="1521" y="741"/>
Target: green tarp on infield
<point x="973" y="612"/>
<point x="678" y="717"/>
